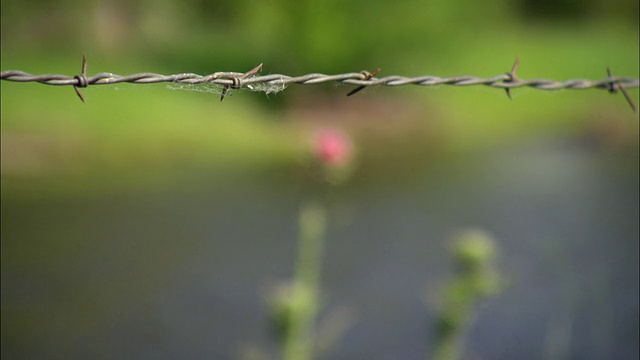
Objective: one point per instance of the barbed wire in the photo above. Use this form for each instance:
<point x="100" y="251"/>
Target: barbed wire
<point x="237" y="80"/>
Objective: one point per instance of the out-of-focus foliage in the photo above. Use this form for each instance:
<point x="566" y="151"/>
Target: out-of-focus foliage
<point x="141" y="223"/>
<point x="559" y="40"/>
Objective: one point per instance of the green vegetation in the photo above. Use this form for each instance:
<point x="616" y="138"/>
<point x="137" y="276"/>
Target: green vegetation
<point x="475" y="279"/>
<point x="151" y="132"/>
<point x="138" y="139"/>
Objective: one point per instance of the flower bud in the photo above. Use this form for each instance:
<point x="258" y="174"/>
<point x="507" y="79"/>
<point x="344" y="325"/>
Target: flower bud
<point x="333" y="148"/>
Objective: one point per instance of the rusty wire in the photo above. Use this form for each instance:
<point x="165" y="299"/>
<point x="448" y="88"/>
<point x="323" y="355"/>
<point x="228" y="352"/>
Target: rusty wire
<point x="237" y="80"/>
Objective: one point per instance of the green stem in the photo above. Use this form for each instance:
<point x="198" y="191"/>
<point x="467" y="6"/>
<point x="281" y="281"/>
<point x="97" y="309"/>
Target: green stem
<point x="475" y="279"/>
<point x="299" y="343"/>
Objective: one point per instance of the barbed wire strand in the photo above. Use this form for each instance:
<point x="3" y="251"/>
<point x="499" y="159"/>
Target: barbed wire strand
<point x="237" y="80"/>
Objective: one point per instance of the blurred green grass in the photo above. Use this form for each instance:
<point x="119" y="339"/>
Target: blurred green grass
<point x="148" y="136"/>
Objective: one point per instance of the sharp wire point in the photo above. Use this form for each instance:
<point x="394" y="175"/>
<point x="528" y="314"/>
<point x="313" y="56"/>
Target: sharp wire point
<point x="238" y="79"/>
<point x="515" y="65"/>
<point x="252" y="71"/>
<point x="224" y="92"/>
<point x="367" y="76"/>
<point x="84" y="64"/>
<point x="628" y="97"/>
<point x="79" y="94"/>
<point x="512" y="76"/>
<point x="615" y="86"/>
<point x="82" y="78"/>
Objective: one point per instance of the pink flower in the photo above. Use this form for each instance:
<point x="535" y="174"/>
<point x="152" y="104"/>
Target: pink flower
<point x="333" y="147"/>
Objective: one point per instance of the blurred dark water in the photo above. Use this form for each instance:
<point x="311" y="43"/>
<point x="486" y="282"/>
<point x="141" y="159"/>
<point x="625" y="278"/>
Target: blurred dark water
<point x="185" y="274"/>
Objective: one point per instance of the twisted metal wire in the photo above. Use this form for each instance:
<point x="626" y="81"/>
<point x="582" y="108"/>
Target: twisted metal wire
<point x="225" y="78"/>
<point x="237" y="80"/>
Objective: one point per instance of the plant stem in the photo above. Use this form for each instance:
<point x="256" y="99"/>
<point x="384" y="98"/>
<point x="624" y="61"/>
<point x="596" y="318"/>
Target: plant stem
<point x="299" y="344"/>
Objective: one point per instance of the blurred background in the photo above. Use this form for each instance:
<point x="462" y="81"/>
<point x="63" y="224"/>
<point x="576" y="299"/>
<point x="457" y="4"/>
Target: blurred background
<point x="152" y="222"/>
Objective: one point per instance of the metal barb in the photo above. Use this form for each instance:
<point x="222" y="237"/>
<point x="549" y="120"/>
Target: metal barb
<point x="237" y="81"/>
<point x="512" y="76"/>
<point x="82" y="78"/>
<point x="366" y="76"/>
<point x="615" y="86"/>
